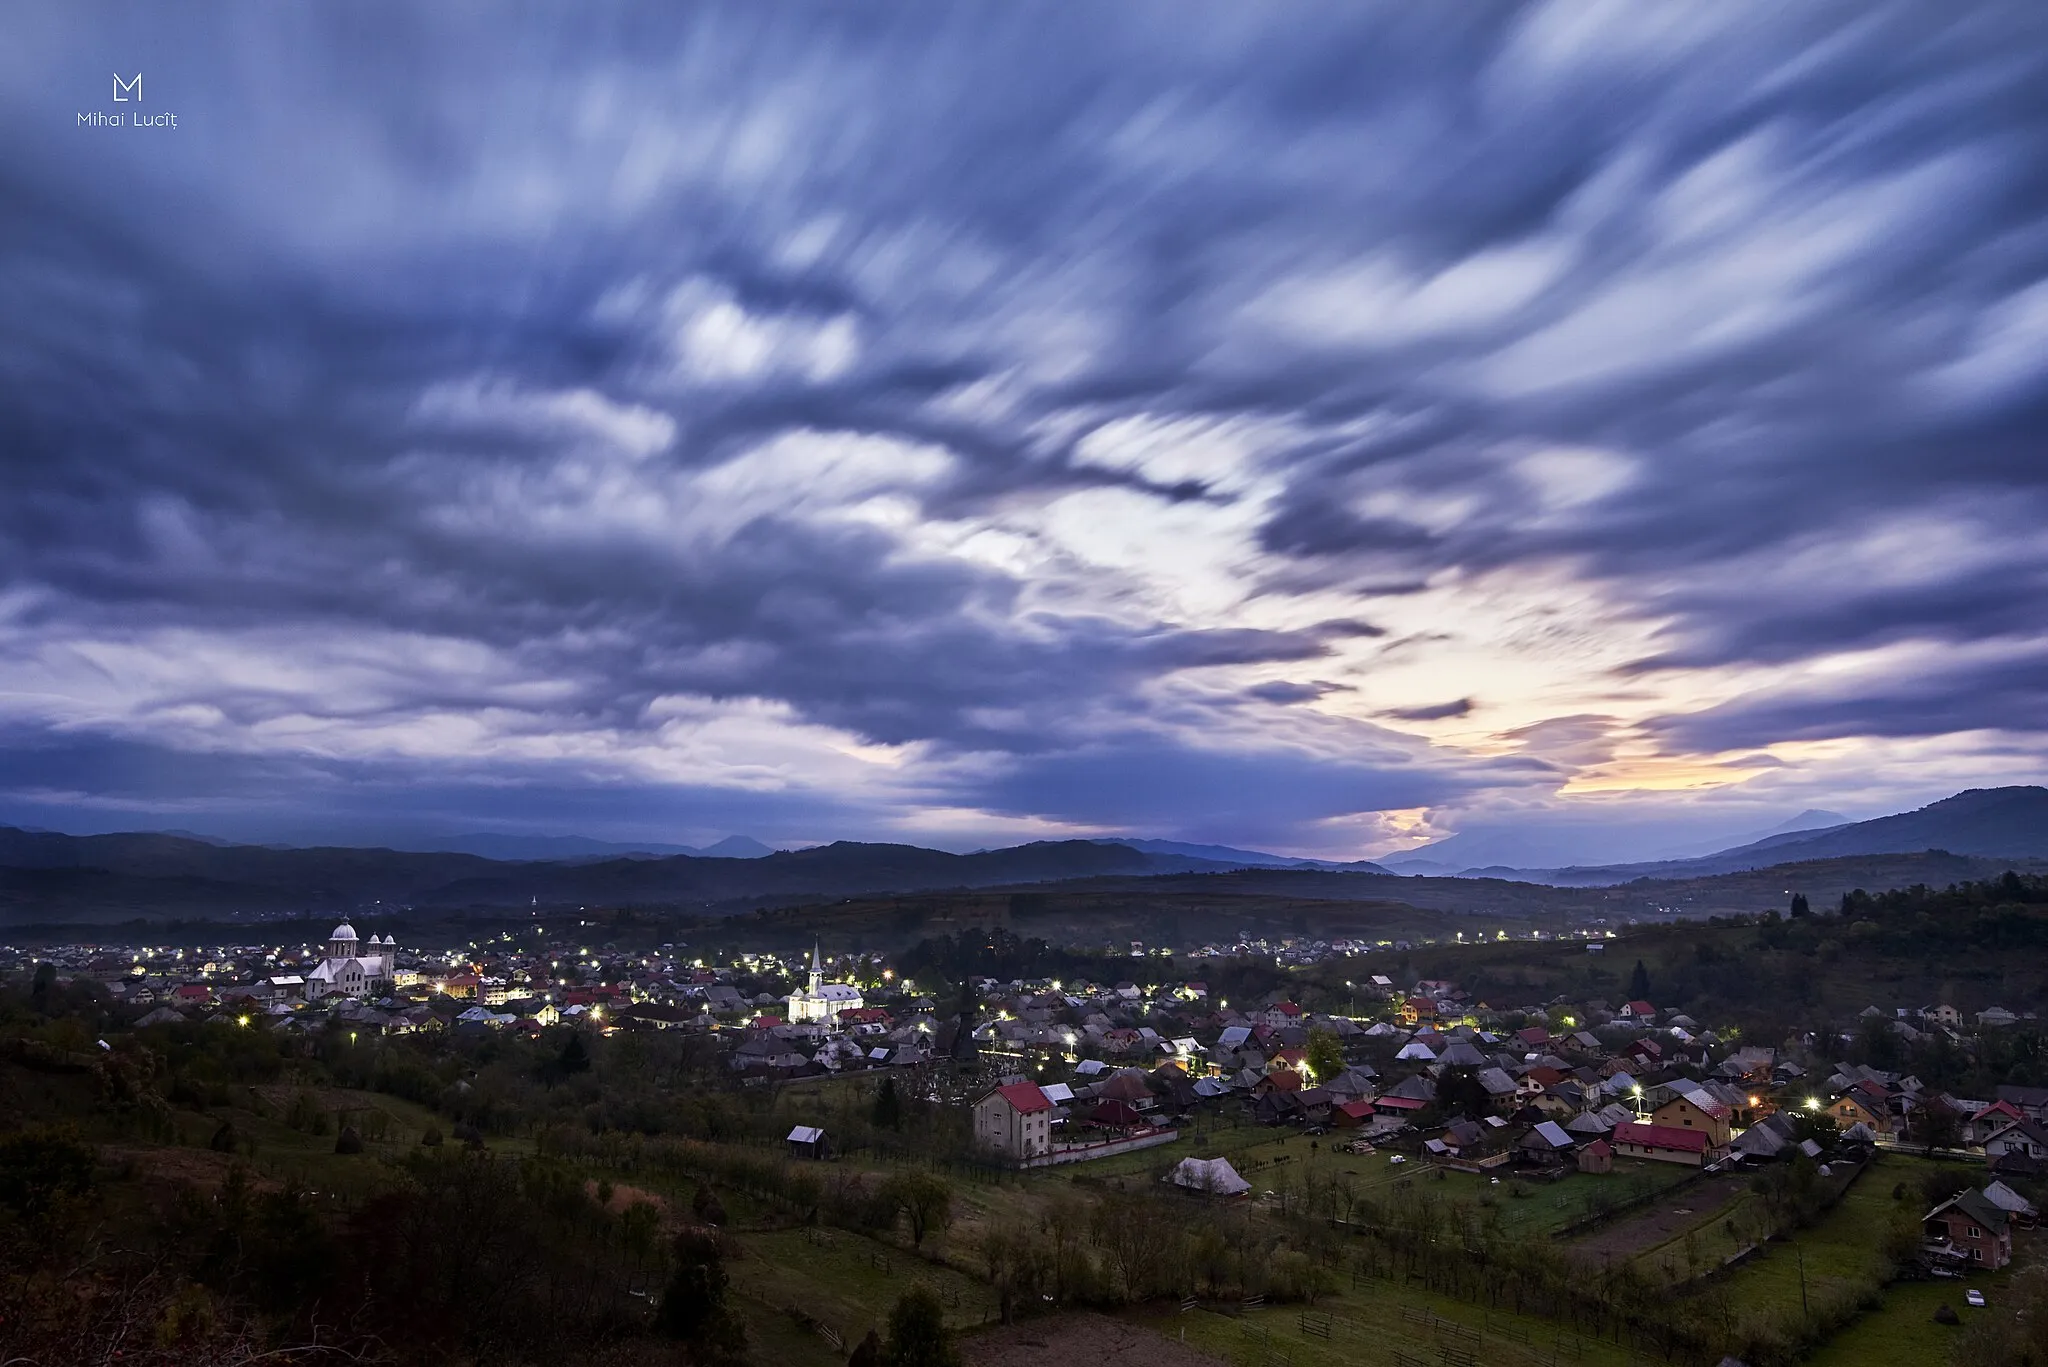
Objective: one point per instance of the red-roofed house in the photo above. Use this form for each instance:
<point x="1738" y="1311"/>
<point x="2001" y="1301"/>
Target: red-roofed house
<point x="1664" y="1144"/>
<point x="1279" y="1080"/>
<point x="1696" y="1111"/>
<point x="1348" y="1113"/>
<point x="1283" y="1013"/>
<point x="1015" y="1120"/>
<point x="1990" y="1121"/>
<point x="1636" y="1012"/>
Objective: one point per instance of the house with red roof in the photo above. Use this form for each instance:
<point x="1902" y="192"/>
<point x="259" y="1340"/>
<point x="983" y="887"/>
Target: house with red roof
<point x="1015" y="1120"/>
<point x="1664" y="1144"/>
<point x="1696" y="1110"/>
<point x="1989" y="1121"/>
<point x="1346" y="1114"/>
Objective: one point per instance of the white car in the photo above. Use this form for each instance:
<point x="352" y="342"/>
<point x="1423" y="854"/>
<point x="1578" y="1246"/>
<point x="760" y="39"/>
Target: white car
<point x="1397" y="1158"/>
<point x="1975" y="1298"/>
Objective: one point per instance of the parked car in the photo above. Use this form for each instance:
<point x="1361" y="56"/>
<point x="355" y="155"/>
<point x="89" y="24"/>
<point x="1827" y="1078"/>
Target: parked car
<point x="1975" y="1298"/>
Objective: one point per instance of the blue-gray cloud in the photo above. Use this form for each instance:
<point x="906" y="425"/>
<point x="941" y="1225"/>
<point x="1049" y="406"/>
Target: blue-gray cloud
<point x="433" y="328"/>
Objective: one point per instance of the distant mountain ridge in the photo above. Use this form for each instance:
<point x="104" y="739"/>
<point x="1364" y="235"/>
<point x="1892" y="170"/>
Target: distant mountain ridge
<point x="1230" y="855"/>
<point x="1511" y="849"/>
<point x="50" y="877"/>
<point x="2007" y="823"/>
<point x="526" y="848"/>
<point x="46" y="875"/>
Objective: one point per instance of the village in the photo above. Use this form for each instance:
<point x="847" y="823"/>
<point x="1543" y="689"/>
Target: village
<point x="1050" y="1073"/>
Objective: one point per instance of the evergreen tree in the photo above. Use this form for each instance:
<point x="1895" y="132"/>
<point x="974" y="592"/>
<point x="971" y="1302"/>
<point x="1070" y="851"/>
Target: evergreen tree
<point x="41" y="986"/>
<point x="888" y="1113"/>
<point x="1459" y="1092"/>
<point x="868" y="1352"/>
<point x="693" y="1306"/>
<point x="1639" y="983"/>
<point x="1800" y="906"/>
<point x="575" y="1055"/>
<point x="705" y="1205"/>
<point x="918" y="1336"/>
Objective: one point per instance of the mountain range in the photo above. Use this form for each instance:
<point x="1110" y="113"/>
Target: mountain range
<point x="1994" y="822"/>
<point x="48" y="877"/>
<point x="1521" y="848"/>
<point x="581" y="848"/>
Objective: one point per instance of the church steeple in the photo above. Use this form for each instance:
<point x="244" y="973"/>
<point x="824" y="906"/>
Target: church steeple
<point x="817" y="969"/>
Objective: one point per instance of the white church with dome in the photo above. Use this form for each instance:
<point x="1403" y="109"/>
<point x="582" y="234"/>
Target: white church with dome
<point x="354" y="968"/>
<point x="822" y="1001"/>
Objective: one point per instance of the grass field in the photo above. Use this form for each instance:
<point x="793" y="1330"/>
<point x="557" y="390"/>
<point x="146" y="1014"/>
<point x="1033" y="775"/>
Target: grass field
<point x="1835" y="1257"/>
<point x="1903" y="1328"/>
<point x="1375" y="1320"/>
<point x="844" y="1281"/>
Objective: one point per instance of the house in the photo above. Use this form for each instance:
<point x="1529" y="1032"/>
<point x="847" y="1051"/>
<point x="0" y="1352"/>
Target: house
<point x="1210" y="1176"/>
<point x="1696" y="1111"/>
<point x="1989" y="1121"/>
<point x="1636" y="1013"/>
<point x="1279" y="1080"/>
<point x="1863" y="1104"/>
<point x="2012" y="1203"/>
<point x="808" y="1141"/>
<point x="1546" y="1142"/>
<point x="1115" y="1114"/>
<point x="1349" y="1114"/>
<point x="1972" y="1224"/>
<point x="1664" y="1144"/>
<point x="2022" y="1137"/>
<point x="1278" y="1108"/>
<point x="2032" y="1101"/>
<point x="1597" y="1157"/>
<point x="1315" y="1105"/>
<point x="1014" y="1119"/>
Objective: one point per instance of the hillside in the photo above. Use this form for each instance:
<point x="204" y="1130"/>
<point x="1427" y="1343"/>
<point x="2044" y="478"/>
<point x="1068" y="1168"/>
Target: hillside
<point x="48" y="878"/>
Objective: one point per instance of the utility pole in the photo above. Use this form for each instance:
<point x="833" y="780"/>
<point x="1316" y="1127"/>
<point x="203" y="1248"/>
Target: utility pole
<point x="1802" y="1279"/>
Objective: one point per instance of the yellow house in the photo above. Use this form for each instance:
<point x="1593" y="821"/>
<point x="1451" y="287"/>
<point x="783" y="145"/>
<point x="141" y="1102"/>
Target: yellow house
<point x="1848" y="1109"/>
<point x="1696" y="1111"/>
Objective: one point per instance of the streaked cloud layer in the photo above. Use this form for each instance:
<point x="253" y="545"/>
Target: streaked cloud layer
<point x="1319" y="428"/>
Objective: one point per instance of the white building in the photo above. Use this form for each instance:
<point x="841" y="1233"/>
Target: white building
<point x="1014" y="1119"/>
<point x="822" y="1001"/>
<point x="353" y="968"/>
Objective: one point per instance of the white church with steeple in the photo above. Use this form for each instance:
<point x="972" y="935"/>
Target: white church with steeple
<point x="352" y="967"/>
<point x="822" y="1001"/>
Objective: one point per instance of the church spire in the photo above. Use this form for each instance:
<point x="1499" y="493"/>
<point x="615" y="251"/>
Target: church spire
<point x="817" y="969"/>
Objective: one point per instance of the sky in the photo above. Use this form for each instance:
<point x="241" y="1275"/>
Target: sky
<point x="1316" y="428"/>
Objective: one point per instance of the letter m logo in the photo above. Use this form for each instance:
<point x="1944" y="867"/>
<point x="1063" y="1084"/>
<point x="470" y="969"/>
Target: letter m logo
<point x="132" y="88"/>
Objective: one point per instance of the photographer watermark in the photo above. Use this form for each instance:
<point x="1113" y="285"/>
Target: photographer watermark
<point x="128" y="91"/>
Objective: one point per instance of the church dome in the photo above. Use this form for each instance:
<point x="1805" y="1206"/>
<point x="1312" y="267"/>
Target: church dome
<point x="344" y="931"/>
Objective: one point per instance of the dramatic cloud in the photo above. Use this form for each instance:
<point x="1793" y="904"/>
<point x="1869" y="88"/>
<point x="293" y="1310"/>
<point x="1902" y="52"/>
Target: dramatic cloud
<point x="668" y="421"/>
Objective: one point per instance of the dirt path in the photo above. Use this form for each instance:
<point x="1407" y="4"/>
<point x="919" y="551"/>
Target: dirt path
<point x="1079" y="1338"/>
<point x="1664" y="1219"/>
